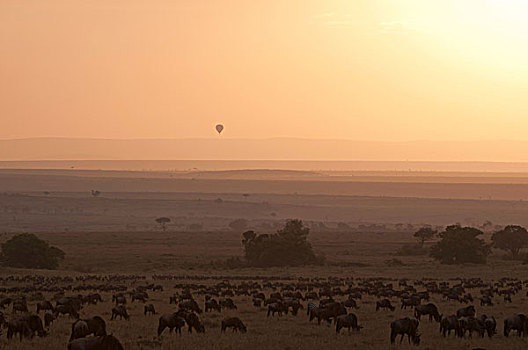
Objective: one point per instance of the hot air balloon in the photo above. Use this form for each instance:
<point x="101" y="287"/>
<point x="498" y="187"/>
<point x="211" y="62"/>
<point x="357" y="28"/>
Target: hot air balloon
<point x="219" y="128"/>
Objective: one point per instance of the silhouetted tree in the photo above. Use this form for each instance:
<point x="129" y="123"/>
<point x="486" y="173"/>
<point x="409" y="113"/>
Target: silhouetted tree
<point x="28" y="251"/>
<point x="288" y="247"/>
<point x="512" y="238"/>
<point x="424" y="234"/>
<point x="163" y="221"/>
<point x="460" y="245"/>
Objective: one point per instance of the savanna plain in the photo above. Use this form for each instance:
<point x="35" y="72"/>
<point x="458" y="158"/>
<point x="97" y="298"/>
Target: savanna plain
<point x="359" y="222"/>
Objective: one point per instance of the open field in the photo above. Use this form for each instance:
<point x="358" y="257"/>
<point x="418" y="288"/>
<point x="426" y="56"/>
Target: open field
<point x="115" y="233"/>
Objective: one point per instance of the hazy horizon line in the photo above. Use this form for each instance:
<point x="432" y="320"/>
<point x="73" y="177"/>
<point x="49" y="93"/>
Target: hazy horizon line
<point x="250" y="139"/>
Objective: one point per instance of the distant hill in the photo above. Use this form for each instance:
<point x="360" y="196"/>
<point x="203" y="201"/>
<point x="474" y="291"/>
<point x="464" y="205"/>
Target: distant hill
<point x="260" y="149"/>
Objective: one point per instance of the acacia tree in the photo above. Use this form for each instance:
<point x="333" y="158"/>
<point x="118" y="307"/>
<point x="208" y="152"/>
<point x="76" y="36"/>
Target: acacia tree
<point x="512" y="238"/>
<point x="460" y="245"/>
<point x="163" y="221"/>
<point x="424" y="234"/>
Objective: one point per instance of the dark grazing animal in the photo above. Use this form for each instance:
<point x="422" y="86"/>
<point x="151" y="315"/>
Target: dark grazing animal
<point x="193" y="321"/>
<point x="405" y="326"/>
<point x="447" y="324"/>
<point x="235" y="323"/>
<point x="84" y="327"/>
<point x="120" y="310"/>
<point x="105" y="342"/>
<point x="518" y="323"/>
<point x="149" y="309"/>
<point x="471" y="324"/>
<point x="347" y="321"/>
<point x="212" y="305"/>
<point x="278" y="308"/>
<point x="44" y="305"/>
<point x="490" y="324"/>
<point x="468" y="311"/>
<point x="67" y="309"/>
<point x="170" y="321"/>
<point x="384" y="304"/>
<point x="190" y="305"/>
<point x="428" y="309"/>
<point x="25" y="326"/>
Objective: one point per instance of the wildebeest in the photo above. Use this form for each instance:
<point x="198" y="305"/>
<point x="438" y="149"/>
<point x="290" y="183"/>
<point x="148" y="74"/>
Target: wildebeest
<point x="294" y="304"/>
<point x="471" y="324"/>
<point x="447" y="324"/>
<point x="228" y="303"/>
<point x="427" y="309"/>
<point x="384" y="304"/>
<point x="105" y="342"/>
<point x="278" y="307"/>
<point x="347" y="321"/>
<point x="149" y="309"/>
<point x="490" y="324"/>
<point x="83" y="327"/>
<point x="193" y="321"/>
<point x="120" y="310"/>
<point x="235" y="323"/>
<point x="486" y="300"/>
<point x="140" y="296"/>
<point x="321" y="313"/>
<point x="170" y="321"/>
<point x="410" y="302"/>
<point x="212" y="305"/>
<point x="44" y="305"/>
<point x="468" y="311"/>
<point x="25" y="326"/>
<point x="190" y="305"/>
<point x="405" y="326"/>
<point x="67" y="309"/>
<point x="518" y="323"/>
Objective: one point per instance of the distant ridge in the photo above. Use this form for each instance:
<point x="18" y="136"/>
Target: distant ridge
<point x="260" y="149"/>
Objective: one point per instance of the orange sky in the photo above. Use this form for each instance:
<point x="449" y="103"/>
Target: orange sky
<point x="358" y="69"/>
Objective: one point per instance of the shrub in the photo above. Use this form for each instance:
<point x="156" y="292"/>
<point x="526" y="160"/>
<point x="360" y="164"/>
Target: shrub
<point x="28" y="251"/>
<point x="460" y="245"/>
<point x="288" y="247"/>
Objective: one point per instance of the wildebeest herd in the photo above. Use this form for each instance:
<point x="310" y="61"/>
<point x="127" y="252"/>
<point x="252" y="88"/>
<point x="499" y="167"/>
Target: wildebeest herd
<point x="32" y="304"/>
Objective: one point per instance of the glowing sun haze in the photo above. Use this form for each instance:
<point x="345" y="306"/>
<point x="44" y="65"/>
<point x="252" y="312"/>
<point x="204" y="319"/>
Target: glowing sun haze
<point x="358" y="69"/>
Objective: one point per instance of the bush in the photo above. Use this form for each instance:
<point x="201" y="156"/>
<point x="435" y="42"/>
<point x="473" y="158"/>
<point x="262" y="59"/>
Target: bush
<point x="28" y="251"/>
<point x="460" y="245"/>
<point x="288" y="247"/>
<point x="411" y="250"/>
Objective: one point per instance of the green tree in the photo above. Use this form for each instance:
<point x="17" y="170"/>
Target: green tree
<point x="288" y="247"/>
<point x="424" y="234"/>
<point x="460" y="245"/>
<point x="512" y="238"/>
<point x="28" y="251"/>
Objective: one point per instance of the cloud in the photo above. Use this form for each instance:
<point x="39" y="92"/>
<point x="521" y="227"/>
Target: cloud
<point x="395" y="27"/>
